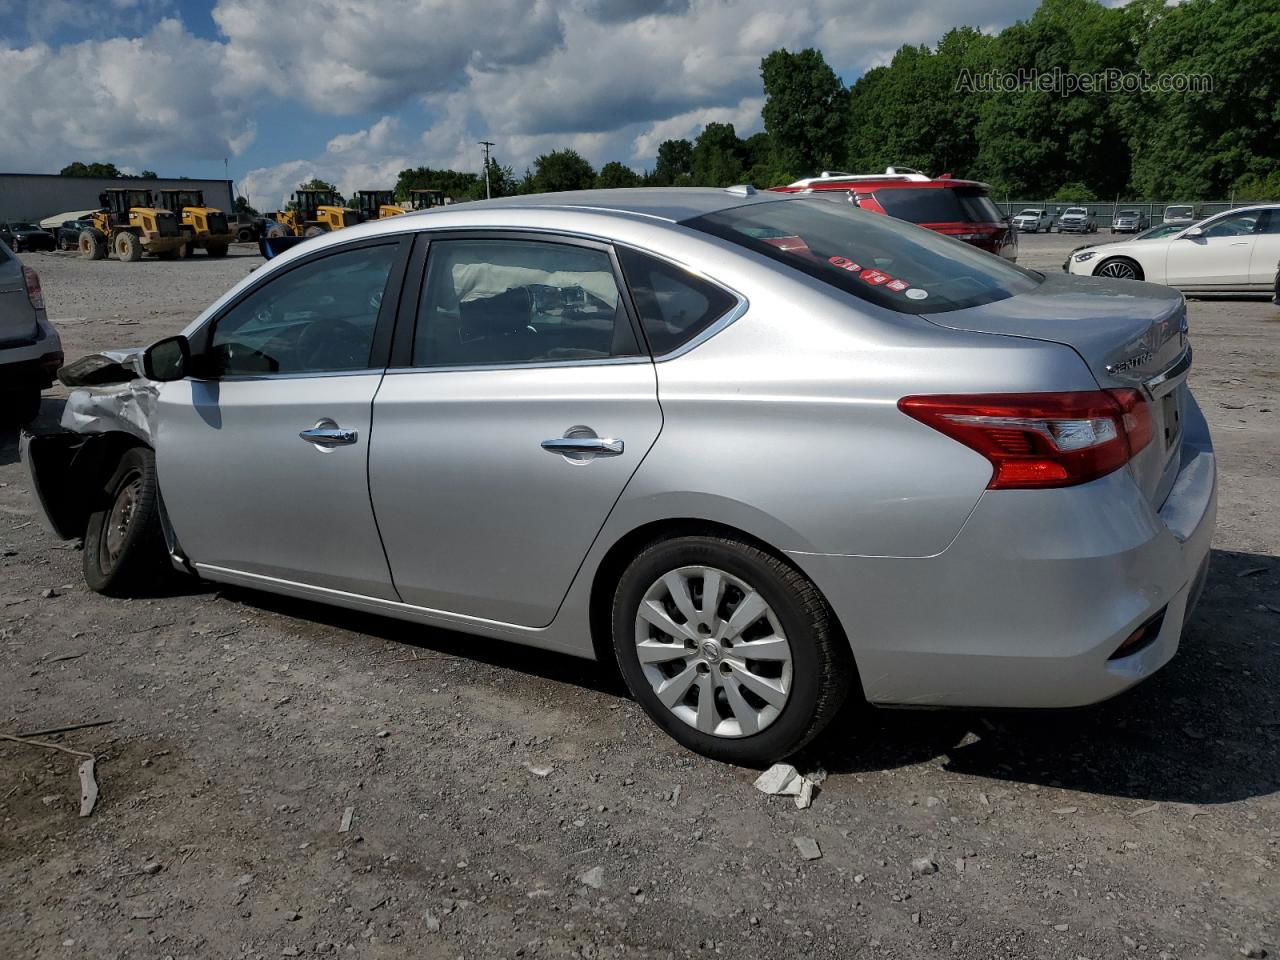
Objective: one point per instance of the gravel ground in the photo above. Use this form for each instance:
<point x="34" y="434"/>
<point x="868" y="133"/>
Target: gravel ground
<point x="507" y="802"/>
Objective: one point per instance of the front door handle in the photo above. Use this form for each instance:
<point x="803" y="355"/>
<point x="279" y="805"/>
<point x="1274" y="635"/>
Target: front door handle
<point x="327" y="434"/>
<point x="600" y="446"/>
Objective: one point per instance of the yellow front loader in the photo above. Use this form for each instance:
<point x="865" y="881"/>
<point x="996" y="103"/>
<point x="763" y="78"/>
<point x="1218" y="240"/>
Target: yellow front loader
<point x="313" y="212"/>
<point x="130" y="225"/>
<point x="205" y="227"/>
<point x="377" y="205"/>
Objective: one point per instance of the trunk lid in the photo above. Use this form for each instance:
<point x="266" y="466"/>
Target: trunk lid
<point x="1129" y="334"/>
<point x="17" y="315"/>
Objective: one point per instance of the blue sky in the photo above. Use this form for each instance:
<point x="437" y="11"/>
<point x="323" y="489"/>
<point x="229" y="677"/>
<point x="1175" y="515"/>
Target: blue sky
<point x="355" y="90"/>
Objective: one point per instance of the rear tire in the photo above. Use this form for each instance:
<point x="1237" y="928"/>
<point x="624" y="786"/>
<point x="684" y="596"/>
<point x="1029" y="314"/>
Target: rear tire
<point x="124" y="550"/>
<point x="705" y="659"/>
<point x="277" y="231"/>
<point x="313" y="232"/>
<point x="128" y="247"/>
<point x="92" y="245"/>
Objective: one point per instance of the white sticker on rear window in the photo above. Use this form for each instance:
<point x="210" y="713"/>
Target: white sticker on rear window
<point x="915" y="293"/>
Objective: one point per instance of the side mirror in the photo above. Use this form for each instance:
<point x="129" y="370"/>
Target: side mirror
<point x="166" y="359"/>
<point x="1192" y="233"/>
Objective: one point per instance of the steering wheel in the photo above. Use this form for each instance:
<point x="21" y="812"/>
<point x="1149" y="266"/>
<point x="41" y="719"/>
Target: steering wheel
<point x="333" y="345"/>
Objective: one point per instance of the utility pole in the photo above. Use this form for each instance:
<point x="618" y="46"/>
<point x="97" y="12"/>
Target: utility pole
<point x="488" y="194"/>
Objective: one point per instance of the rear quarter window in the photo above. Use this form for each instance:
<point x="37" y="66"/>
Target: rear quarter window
<point x="674" y="305"/>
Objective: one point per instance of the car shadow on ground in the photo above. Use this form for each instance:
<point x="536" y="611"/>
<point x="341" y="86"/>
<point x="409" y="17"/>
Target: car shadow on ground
<point x="8" y="444"/>
<point x="1204" y="730"/>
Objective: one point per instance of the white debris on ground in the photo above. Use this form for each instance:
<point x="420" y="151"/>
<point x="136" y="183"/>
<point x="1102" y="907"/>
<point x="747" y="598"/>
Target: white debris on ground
<point x="784" y="780"/>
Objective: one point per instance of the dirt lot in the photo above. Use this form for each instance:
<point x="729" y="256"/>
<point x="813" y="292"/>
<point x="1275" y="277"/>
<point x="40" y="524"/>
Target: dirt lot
<point x="244" y="727"/>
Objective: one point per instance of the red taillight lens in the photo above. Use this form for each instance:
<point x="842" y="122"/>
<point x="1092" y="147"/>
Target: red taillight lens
<point x="34" y="293"/>
<point x="1038" y="440"/>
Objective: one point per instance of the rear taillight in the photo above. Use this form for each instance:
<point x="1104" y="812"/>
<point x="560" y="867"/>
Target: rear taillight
<point x="1042" y="439"/>
<point x="34" y="293"/>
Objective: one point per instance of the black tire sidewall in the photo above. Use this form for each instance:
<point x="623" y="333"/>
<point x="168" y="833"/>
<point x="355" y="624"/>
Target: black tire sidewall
<point x="791" y="729"/>
<point x="143" y="541"/>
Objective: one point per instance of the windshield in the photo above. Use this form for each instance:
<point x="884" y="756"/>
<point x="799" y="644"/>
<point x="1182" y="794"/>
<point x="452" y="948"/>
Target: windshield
<point x="1029" y="213"/>
<point x="25" y="226"/>
<point x="939" y="204"/>
<point x="1156" y="232"/>
<point x="1076" y="212"/>
<point x="1177" y="211"/>
<point x="1127" y="213"/>
<point x="879" y="259"/>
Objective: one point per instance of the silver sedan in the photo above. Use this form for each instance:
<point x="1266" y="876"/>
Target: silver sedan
<point x="764" y="451"/>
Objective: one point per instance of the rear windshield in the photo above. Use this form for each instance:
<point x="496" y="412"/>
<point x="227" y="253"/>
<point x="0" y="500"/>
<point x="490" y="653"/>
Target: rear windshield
<point x="939" y="204"/>
<point x="1127" y="213"/>
<point x="1076" y="212"/>
<point x="879" y="259"/>
<point x="1178" y="211"/>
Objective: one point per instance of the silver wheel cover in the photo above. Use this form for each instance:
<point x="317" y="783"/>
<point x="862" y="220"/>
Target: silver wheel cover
<point x="1118" y="270"/>
<point x="713" y="651"/>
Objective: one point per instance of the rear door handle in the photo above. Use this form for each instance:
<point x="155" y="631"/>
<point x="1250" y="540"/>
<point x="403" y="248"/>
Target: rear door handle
<point x="600" y="446"/>
<point x="328" y="434"/>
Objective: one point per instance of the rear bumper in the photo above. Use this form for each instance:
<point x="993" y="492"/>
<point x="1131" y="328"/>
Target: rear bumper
<point x="1038" y="591"/>
<point x="31" y="364"/>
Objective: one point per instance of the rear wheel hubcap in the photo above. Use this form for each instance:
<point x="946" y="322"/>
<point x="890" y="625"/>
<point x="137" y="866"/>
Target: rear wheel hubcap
<point x="713" y="651"/>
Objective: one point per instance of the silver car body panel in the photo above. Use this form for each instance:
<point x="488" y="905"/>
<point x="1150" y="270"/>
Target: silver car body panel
<point x="782" y="425"/>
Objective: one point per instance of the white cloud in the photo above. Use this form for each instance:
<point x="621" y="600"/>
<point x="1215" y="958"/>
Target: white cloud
<point x="610" y="78"/>
<point x="128" y="100"/>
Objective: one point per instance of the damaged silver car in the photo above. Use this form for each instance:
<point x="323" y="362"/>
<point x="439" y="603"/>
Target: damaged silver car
<point x="765" y="451"/>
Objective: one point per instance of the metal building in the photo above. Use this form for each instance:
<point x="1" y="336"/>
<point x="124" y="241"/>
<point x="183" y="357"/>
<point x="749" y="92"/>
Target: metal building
<point x="35" y="196"/>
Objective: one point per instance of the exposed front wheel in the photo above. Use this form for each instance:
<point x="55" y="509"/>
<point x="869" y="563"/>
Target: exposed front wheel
<point x="128" y="247"/>
<point x="124" y="549"/>
<point x="1119" y="268"/>
<point x="730" y="650"/>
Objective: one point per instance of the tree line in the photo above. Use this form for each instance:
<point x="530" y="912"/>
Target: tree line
<point x="1143" y="143"/>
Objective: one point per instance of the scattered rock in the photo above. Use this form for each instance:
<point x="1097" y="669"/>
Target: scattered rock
<point x="1065" y="811"/>
<point x="50" y="593"/>
<point x="539" y="771"/>
<point x="1253" y="951"/>
<point x="593" y="878"/>
<point x="151" y="868"/>
<point x="923" y="866"/>
<point x="808" y="847"/>
<point x="782" y="779"/>
<point x="347" y="814"/>
<point x="431" y="922"/>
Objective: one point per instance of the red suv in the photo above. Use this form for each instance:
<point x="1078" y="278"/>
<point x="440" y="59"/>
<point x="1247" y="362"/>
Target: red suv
<point x="957" y="208"/>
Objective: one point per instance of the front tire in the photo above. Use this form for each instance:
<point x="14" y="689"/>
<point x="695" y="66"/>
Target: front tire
<point x="92" y="245"/>
<point x="216" y="250"/>
<point x="1118" y="268"/>
<point x="128" y="247"/>
<point x="730" y="650"/>
<point x="124" y="550"/>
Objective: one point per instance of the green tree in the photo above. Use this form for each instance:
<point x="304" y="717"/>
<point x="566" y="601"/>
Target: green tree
<point x="674" y="165"/>
<point x="148" y="175"/>
<point x="562" y="170"/>
<point x="717" y="157"/>
<point x="805" y="110"/>
<point x="1197" y="144"/>
<point x="79" y="169"/>
<point x="502" y="182"/>
<point x="243" y="207"/>
<point x="1073" y="193"/>
<point x="614" y="174"/>
<point x="453" y="183"/>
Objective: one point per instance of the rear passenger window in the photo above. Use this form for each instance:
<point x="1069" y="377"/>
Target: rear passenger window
<point x="519" y="301"/>
<point x="674" y="305"/>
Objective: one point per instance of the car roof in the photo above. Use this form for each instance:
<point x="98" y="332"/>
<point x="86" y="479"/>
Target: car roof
<point x="663" y="203"/>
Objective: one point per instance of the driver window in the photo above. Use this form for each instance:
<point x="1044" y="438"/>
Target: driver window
<point x="519" y="301"/>
<point x="316" y="318"/>
<point x="1239" y="224"/>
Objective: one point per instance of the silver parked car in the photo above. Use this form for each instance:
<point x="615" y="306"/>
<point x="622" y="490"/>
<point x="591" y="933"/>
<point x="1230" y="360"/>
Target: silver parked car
<point x="1077" y="220"/>
<point x="30" y="350"/>
<point x="766" y="451"/>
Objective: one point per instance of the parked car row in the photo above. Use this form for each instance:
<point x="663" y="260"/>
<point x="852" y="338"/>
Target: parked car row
<point x="1084" y="220"/>
<point x="543" y="419"/>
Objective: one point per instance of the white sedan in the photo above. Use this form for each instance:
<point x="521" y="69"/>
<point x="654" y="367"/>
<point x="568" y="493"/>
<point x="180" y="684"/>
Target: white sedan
<point x="1236" y="251"/>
